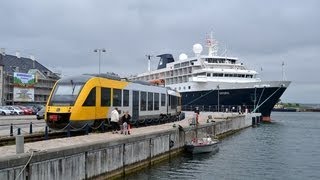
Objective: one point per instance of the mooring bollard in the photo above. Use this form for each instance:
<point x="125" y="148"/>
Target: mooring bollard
<point x="19" y="144"/>
<point x="11" y="129"/>
<point x="46" y="135"/>
<point x="19" y="131"/>
<point x="30" y="132"/>
<point x="87" y="129"/>
<point x="253" y="121"/>
<point x="68" y="131"/>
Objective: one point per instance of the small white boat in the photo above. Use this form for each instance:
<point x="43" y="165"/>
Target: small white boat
<point x="204" y="145"/>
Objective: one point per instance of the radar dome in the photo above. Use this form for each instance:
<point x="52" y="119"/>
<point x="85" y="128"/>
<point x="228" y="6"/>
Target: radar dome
<point x="183" y="56"/>
<point x="197" y="49"/>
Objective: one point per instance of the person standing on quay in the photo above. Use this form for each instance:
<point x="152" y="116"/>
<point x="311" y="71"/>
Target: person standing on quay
<point x="126" y="120"/>
<point x="115" y="121"/>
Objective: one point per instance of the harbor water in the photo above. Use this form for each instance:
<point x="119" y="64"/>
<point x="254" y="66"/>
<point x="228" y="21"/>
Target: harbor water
<point x="288" y="148"/>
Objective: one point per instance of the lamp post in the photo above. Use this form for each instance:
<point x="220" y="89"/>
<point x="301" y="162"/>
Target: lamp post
<point x="99" y="51"/>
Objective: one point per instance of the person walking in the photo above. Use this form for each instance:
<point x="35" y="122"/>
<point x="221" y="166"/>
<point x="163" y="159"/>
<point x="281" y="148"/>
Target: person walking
<point x="126" y="123"/>
<point x="115" y="121"/>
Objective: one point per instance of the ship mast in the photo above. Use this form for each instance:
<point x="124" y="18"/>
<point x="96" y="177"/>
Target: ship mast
<point x="212" y="45"/>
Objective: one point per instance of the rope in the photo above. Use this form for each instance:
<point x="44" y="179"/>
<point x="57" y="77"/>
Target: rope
<point x="95" y="128"/>
<point x="261" y="95"/>
<point x="266" y="99"/>
<point x="36" y="125"/>
<point x="25" y="165"/>
<point x="75" y="129"/>
<point x="62" y="130"/>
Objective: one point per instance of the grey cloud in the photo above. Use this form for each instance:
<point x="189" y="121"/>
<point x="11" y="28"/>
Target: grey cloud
<point x="63" y="34"/>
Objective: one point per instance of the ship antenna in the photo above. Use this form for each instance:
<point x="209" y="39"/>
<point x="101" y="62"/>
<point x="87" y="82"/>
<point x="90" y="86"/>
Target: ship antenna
<point x="149" y="61"/>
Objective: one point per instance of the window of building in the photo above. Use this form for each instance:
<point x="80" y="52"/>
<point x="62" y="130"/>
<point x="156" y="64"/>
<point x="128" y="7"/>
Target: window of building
<point x="105" y="96"/>
<point x="208" y="74"/>
<point x="156" y="101"/>
<point x="125" y="100"/>
<point x="163" y="99"/>
<point x="143" y="101"/>
<point x="189" y="87"/>
<point x="150" y="101"/>
<point x="117" y="94"/>
<point x="91" y="98"/>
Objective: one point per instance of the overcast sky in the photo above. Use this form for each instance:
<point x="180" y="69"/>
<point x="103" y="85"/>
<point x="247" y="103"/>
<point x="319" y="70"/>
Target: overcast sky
<point x="62" y="35"/>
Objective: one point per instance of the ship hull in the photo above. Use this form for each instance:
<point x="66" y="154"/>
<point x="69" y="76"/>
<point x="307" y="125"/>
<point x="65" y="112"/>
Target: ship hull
<point x="261" y="99"/>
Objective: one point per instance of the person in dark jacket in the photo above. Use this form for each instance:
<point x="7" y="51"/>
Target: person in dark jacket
<point x="126" y="123"/>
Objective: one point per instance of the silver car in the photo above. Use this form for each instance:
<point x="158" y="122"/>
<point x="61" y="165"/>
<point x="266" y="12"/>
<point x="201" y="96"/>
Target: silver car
<point x="40" y="114"/>
<point x="5" y="111"/>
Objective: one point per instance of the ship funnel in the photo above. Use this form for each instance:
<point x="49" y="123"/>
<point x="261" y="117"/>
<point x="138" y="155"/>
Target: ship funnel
<point x="164" y="60"/>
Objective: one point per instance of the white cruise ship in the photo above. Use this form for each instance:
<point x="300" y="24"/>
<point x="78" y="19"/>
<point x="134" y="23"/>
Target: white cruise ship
<point x="215" y="83"/>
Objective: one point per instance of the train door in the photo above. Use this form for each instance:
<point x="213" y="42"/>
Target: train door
<point x="135" y="105"/>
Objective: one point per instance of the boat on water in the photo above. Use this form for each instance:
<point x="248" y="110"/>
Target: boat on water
<point x="202" y="145"/>
<point x="215" y="82"/>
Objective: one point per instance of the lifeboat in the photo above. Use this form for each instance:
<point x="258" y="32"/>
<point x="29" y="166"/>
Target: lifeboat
<point x="157" y="81"/>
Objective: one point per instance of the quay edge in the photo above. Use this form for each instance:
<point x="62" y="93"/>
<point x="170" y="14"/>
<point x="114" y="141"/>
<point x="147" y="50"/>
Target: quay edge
<point x="114" y="158"/>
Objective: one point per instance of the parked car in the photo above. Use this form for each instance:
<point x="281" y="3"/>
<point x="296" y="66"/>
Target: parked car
<point x="5" y="111"/>
<point x="26" y="111"/>
<point x="16" y="111"/>
<point x="40" y="114"/>
<point x="33" y="109"/>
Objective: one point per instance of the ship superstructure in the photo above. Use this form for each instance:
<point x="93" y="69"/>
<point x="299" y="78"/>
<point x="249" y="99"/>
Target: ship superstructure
<point x="215" y="82"/>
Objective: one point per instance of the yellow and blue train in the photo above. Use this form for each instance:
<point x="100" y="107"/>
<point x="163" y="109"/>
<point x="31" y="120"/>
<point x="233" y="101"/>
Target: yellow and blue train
<point x="89" y="99"/>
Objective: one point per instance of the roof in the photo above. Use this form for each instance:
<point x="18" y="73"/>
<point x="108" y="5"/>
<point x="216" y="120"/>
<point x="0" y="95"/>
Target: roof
<point x="13" y="63"/>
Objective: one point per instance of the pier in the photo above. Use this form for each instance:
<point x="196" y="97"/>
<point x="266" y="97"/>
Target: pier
<point x="110" y="155"/>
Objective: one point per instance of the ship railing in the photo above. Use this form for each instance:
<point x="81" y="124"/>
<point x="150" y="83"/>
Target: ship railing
<point x="220" y="108"/>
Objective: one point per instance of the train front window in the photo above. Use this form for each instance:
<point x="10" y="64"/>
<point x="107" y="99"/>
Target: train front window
<point x="65" y="94"/>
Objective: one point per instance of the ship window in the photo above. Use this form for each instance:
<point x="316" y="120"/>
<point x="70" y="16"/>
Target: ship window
<point x="208" y="74"/>
<point x="117" y="93"/>
<point x="189" y="87"/>
<point x="143" y="101"/>
<point x="105" y="96"/>
<point x="156" y="101"/>
<point x="150" y="101"/>
<point x="91" y="99"/>
<point x="163" y="99"/>
<point x="202" y="74"/>
<point x="125" y="100"/>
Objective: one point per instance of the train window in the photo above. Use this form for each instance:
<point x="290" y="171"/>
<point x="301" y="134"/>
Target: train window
<point x="117" y="94"/>
<point x="169" y="100"/>
<point x="163" y="99"/>
<point x="156" y="101"/>
<point x="143" y="101"/>
<point x="125" y="100"/>
<point x="150" y="101"/>
<point x="105" y="96"/>
<point x="174" y="102"/>
<point x="91" y="99"/>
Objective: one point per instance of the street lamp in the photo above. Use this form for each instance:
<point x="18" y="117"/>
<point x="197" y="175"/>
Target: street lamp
<point x="99" y="51"/>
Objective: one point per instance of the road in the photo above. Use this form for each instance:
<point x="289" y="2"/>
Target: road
<point x="22" y="122"/>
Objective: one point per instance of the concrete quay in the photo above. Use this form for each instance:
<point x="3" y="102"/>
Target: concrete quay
<point x="110" y="155"/>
